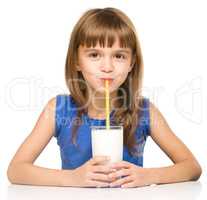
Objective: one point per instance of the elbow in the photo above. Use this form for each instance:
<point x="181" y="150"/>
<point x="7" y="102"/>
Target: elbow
<point x="11" y="174"/>
<point x="197" y="171"/>
<point x="197" y="174"/>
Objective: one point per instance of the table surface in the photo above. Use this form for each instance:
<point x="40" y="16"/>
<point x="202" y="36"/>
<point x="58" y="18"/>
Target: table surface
<point x="177" y="191"/>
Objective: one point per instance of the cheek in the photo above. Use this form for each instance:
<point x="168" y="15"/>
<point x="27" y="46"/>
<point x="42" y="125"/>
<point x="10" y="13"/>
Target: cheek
<point x="88" y="67"/>
<point x="88" y="73"/>
<point x="123" y="72"/>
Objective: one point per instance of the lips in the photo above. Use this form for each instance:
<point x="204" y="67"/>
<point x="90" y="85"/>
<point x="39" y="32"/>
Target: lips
<point x="109" y="79"/>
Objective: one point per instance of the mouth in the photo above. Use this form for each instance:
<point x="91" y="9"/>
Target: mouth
<point x="110" y="80"/>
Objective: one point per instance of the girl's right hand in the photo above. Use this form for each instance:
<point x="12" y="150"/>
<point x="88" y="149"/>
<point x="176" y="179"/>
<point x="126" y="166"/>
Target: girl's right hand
<point x="94" y="173"/>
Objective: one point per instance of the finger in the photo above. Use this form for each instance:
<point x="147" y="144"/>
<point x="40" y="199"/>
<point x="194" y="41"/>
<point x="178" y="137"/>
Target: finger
<point x="99" y="159"/>
<point x="94" y="183"/>
<point x="121" y="181"/>
<point x="103" y="169"/>
<point x="122" y="164"/>
<point x="99" y="177"/>
<point x="120" y="173"/>
<point x="128" y="185"/>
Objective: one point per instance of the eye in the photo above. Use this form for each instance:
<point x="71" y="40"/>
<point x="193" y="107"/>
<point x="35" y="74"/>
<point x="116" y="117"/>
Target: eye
<point x="120" y="56"/>
<point x="94" y="55"/>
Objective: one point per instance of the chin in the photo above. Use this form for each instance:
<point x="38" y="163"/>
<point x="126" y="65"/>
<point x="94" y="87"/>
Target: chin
<point x="102" y="90"/>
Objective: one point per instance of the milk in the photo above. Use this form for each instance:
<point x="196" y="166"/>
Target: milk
<point x="107" y="142"/>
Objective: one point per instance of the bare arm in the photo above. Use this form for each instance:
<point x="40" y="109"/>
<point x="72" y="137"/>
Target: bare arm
<point x="21" y="169"/>
<point x="186" y="167"/>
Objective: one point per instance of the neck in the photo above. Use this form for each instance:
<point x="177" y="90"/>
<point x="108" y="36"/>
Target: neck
<point x="96" y="106"/>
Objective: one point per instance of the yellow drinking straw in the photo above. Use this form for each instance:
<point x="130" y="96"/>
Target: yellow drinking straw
<point x="107" y="104"/>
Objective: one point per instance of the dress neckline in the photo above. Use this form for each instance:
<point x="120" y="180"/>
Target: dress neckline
<point x="95" y="119"/>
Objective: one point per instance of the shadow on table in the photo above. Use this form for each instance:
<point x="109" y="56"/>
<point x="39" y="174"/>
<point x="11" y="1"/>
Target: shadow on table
<point x="178" y="191"/>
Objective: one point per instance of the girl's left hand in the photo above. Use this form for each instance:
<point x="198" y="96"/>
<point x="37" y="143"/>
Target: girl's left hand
<point x="128" y="175"/>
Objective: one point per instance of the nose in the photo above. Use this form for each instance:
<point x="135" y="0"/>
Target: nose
<point x="107" y="65"/>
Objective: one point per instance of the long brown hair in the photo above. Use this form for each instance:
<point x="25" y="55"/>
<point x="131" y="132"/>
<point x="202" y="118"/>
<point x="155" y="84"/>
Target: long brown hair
<point x="103" y="26"/>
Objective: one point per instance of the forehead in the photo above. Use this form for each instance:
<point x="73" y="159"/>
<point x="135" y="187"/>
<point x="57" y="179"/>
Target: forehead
<point x="116" y="46"/>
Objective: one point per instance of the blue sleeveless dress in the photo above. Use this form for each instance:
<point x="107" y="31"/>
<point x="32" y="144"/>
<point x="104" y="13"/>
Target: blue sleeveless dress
<point x="73" y="156"/>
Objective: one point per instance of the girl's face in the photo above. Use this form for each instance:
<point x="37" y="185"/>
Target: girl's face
<point x="100" y="63"/>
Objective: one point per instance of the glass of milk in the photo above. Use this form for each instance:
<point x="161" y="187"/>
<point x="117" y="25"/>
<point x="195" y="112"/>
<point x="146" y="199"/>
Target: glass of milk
<point x="107" y="142"/>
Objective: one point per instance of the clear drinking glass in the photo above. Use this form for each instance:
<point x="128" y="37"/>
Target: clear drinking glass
<point x="107" y="142"/>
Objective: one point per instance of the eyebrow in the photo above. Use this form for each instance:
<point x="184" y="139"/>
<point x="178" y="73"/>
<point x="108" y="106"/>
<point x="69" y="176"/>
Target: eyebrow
<point x="117" y="51"/>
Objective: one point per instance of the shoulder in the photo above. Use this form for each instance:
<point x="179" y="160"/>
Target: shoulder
<point x="146" y="105"/>
<point x="51" y="103"/>
<point x="151" y="116"/>
<point x="55" y="102"/>
<point x="49" y="109"/>
<point x="158" y="123"/>
<point x="155" y="114"/>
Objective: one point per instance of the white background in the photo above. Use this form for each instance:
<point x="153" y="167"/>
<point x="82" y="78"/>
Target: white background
<point x="34" y="38"/>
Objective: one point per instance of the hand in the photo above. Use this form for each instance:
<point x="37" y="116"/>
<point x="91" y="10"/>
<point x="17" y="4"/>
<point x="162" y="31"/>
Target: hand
<point x="129" y="175"/>
<point x="94" y="173"/>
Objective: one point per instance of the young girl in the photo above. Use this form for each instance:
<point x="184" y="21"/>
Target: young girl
<point x="103" y="45"/>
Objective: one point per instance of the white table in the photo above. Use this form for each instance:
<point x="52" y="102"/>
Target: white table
<point x="178" y="191"/>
